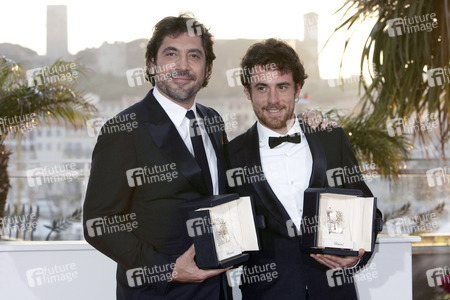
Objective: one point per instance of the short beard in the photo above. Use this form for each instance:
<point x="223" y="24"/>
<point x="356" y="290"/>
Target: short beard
<point x="274" y="124"/>
<point x="176" y="93"/>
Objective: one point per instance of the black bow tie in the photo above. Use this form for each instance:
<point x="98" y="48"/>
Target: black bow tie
<point x="293" y="138"/>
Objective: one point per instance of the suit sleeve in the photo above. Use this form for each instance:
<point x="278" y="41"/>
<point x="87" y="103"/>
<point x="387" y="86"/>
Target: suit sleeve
<point x="349" y="160"/>
<point x="108" y="194"/>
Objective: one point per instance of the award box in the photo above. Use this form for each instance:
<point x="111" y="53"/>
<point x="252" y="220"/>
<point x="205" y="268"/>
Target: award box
<point x="222" y="228"/>
<point x="338" y="221"/>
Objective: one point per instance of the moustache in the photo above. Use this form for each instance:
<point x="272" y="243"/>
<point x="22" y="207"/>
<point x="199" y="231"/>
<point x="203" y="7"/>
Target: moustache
<point x="184" y="74"/>
<point x="274" y="107"/>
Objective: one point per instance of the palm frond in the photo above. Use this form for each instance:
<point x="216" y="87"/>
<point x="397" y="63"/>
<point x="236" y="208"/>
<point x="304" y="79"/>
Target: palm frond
<point x="27" y="102"/>
<point x="372" y="143"/>
<point x="61" y="224"/>
<point x="49" y="101"/>
<point x="400" y="88"/>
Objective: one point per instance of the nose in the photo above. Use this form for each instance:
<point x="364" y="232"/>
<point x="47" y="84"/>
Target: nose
<point x="273" y="96"/>
<point x="183" y="62"/>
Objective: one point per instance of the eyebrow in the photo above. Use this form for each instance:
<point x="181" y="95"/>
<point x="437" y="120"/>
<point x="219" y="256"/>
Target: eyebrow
<point x="195" y="50"/>
<point x="260" y="84"/>
<point x="278" y="84"/>
<point x="172" y="48"/>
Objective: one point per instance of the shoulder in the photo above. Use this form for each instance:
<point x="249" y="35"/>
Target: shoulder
<point x="240" y="142"/>
<point x="123" y="125"/>
<point x="208" y="111"/>
<point x="138" y="109"/>
<point x="326" y="133"/>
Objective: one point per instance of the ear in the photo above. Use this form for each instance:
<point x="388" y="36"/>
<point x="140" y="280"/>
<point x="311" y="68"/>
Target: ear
<point x="298" y="90"/>
<point x="152" y="66"/>
<point x="248" y="93"/>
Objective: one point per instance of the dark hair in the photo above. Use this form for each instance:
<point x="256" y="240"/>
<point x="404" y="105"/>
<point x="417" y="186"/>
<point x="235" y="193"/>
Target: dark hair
<point x="174" y="26"/>
<point x="272" y="51"/>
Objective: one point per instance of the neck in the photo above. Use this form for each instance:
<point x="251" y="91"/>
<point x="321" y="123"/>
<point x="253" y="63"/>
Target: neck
<point x="284" y="130"/>
<point x="186" y="103"/>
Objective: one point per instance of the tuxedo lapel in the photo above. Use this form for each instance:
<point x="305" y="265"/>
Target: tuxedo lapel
<point x="215" y="132"/>
<point x="167" y="138"/>
<point x="262" y="187"/>
<point x="319" y="168"/>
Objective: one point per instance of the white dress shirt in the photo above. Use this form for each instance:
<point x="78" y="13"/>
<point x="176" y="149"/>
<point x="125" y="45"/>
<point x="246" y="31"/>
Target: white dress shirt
<point x="177" y="115"/>
<point x="287" y="168"/>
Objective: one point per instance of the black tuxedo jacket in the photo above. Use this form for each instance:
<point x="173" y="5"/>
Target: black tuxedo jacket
<point x="160" y="235"/>
<point x="296" y="270"/>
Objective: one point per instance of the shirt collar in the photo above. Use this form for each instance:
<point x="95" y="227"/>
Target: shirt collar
<point x="264" y="133"/>
<point x="176" y="112"/>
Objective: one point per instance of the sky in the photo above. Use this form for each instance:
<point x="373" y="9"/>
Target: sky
<point x="92" y="22"/>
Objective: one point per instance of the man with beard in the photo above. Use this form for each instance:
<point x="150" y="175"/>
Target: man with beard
<point x="292" y="156"/>
<point x="156" y="259"/>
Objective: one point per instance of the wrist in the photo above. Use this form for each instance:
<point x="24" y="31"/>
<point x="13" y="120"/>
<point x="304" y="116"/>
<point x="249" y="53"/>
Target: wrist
<point x="354" y="266"/>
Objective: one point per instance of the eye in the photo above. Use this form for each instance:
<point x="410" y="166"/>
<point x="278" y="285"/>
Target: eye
<point x="171" y="53"/>
<point x="261" y="88"/>
<point x="195" y="56"/>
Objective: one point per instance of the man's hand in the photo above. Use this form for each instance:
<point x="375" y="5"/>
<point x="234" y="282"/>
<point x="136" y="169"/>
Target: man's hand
<point x="315" y="119"/>
<point x="186" y="269"/>
<point x="337" y="262"/>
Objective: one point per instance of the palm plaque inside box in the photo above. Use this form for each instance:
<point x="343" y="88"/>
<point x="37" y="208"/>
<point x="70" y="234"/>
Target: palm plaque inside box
<point x="338" y="221"/>
<point x="223" y="228"/>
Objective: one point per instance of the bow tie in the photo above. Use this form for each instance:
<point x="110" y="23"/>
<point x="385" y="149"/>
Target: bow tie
<point x="293" y="138"/>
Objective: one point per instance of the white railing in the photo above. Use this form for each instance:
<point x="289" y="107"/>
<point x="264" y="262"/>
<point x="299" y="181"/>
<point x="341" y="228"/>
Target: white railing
<point x="85" y="273"/>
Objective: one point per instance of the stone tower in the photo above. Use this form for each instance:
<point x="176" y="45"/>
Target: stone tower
<point x="57" y="31"/>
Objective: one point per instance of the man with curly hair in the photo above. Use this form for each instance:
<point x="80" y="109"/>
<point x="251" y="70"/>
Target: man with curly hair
<point x="155" y="259"/>
<point x="293" y="157"/>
